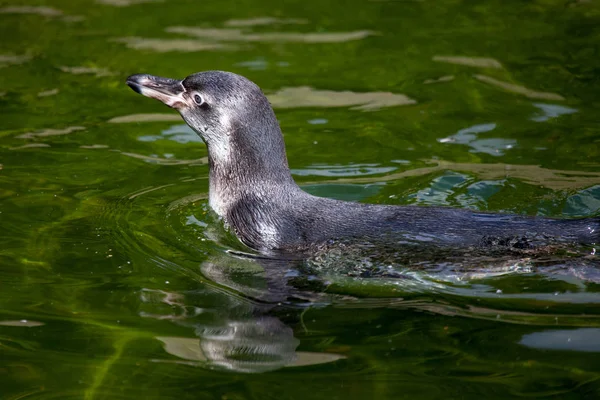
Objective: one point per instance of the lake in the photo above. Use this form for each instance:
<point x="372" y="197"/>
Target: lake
<point x="118" y="282"/>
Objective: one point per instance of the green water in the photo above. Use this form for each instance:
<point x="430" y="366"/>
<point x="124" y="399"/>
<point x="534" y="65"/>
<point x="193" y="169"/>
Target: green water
<point x="115" y="279"/>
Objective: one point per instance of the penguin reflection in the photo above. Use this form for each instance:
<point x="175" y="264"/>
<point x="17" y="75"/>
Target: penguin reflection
<point x="240" y="329"/>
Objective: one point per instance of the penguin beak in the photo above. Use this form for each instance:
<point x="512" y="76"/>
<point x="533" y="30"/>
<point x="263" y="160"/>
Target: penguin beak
<point x="169" y="91"/>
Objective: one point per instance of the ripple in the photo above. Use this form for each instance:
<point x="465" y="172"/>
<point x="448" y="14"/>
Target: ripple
<point x="237" y="35"/>
<point x="584" y="203"/>
<point x="551" y="111"/>
<point x="12" y="59"/>
<point x="148" y="190"/>
<point x="480" y="62"/>
<point x="343" y="170"/>
<point x="126" y="3"/>
<point x="22" y="323"/>
<point x="94" y="146"/>
<point x="50" y="132"/>
<point x="445" y="78"/>
<point x="30" y="145"/>
<point x="44" y="11"/>
<point x="212" y="38"/>
<point x="186" y="201"/>
<point x="440" y="189"/>
<point x="533" y="174"/>
<point x="182" y="134"/>
<point x="47" y="93"/>
<point x="260" y="21"/>
<point x="582" y="339"/>
<point x="254" y="65"/>
<point x="166" y="161"/>
<point x="48" y="12"/>
<point x="80" y="70"/>
<point x="469" y="133"/>
<point x="304" y="96"/>
<point x="478" y="193"/>
<point x="511" y="87"/>
<point x="492" y="146"/>
<point x="167" y="45"/>
<point x="154" y="117"/>
<point x="344" y="191"/>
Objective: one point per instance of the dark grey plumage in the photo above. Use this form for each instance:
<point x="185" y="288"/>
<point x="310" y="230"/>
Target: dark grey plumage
<point x="252" y="189"/>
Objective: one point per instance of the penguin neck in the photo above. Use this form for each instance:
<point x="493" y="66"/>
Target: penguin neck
<point x="237" y="172"/>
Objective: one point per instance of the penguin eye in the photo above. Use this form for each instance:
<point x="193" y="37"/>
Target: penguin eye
<point x="198" y="99"/>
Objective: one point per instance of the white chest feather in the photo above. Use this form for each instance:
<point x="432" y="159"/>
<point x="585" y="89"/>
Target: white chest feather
<point x="217" y="201"/>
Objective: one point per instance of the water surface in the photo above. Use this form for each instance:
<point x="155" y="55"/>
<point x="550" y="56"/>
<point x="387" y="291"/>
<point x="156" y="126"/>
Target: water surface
<point x="118" y="282"/>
